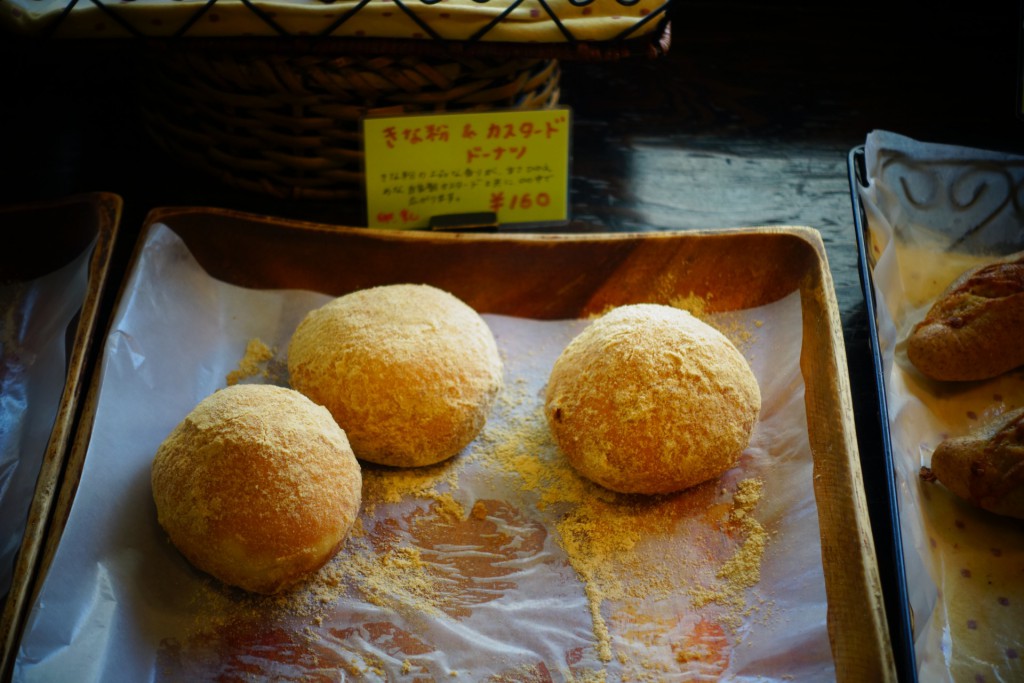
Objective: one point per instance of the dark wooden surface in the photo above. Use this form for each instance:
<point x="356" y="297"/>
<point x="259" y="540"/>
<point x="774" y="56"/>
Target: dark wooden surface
<point x="747" y="121"/>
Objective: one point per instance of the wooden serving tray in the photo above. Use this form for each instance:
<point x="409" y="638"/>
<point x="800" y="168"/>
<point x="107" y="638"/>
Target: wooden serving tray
<point x="551" y="277"/>
<point x="42" y="237"/>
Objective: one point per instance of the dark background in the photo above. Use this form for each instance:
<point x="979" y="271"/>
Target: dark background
<point x="744" y="79"/>
<point x="748" y="120"/>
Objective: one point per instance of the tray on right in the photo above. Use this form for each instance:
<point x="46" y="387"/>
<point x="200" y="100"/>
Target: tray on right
<point x="924" y="213"/>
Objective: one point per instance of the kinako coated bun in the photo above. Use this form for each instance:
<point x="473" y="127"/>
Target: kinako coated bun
<point x="257" y="486"/>
<point x="648" y="399"/>
<point x="409" y="371"/>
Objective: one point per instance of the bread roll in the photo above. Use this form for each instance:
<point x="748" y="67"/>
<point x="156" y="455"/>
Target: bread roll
<point x="649" y="399"/>
<point x="409" y="371"/>
<point x="257" y="486"/>
<point x="975" y="329"/>
<point x="985" y="467"/>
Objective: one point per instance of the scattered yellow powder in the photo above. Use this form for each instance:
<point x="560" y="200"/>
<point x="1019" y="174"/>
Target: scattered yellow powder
<point x="692" y="302"/>
<point x="626" y="550"/>
<point x="613" y="541"/>
<point x="735" y="328"/>
<point x="692" y="654"/>
<point x="590" y="676"/>
<point x="384" y="485"/>
<point x="525" y="451"/>
<point x="252" y="363"/>
<point x="743" y="569"/>
<point x="447" y="508"/>
<point x="396" y="578"/>
<point x="696" y="305"/>
<point x="479" y="510"/>
<point x="729" y="324"/>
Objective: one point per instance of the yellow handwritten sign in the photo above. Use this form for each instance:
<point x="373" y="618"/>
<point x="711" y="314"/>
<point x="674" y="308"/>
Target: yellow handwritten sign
<point x="514" y="164"/>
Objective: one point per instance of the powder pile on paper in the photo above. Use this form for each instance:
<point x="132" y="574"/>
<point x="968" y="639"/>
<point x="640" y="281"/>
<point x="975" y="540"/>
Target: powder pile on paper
<point x="630" y="548"/>
<point x="743" y="569"/>
<point x="393" y="577"/>
<point x="252" y="363"/>
<point x="698" y="549"/>
<point x="695" y="304"/>
<point x="383" y="485"/>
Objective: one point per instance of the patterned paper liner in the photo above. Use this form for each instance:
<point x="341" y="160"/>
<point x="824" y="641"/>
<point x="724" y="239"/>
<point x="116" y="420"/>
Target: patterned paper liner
<point x="934" y="211"/>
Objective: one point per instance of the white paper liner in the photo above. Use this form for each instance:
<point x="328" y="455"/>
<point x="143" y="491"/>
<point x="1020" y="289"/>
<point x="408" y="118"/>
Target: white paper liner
<point x="33" y="371"/>
<point x="934" y="211"/>
<point x="120" y="604"/>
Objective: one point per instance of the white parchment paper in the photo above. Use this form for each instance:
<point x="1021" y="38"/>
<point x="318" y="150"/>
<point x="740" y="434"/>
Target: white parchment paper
<point x="934" y="211"/>
<point x="505" y="602"/>
<point x="33" y="371"/>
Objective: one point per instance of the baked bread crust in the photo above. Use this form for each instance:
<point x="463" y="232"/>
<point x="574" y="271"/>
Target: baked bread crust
<point x="409" y="371"/>
<point x="975" y="329"/>
<point x="986" y="468"/>
<point x="257" y="486"/>
<point x="649" y="399"/>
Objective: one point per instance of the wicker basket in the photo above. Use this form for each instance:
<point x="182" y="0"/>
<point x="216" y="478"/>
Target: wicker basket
<point x="288" y="125"/>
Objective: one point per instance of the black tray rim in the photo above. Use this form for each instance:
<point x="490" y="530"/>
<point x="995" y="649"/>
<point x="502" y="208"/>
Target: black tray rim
<point x="896" y="598"/>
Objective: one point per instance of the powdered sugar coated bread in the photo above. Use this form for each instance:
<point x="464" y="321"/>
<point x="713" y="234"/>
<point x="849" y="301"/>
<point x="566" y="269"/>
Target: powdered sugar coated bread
<point x="257" y="486"/>
<point x="409" y="371"/>
<point x="649" y="399"/>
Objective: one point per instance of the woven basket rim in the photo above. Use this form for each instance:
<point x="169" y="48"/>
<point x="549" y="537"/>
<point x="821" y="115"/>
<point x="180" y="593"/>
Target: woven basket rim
<point x="306" y="143"/>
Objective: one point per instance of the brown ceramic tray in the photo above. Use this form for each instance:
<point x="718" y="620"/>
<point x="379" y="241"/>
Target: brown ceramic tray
<point x="550" y="277"/>
<point x="39" y="239"/>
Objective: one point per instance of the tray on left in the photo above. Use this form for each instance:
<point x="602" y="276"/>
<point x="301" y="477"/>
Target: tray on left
<point x="54" y="271"/>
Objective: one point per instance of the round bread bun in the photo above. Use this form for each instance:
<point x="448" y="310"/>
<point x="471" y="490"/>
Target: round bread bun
<point x="409" y="371"/>
<point x="649" y="399"/>
<point x="257" y="486"/>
